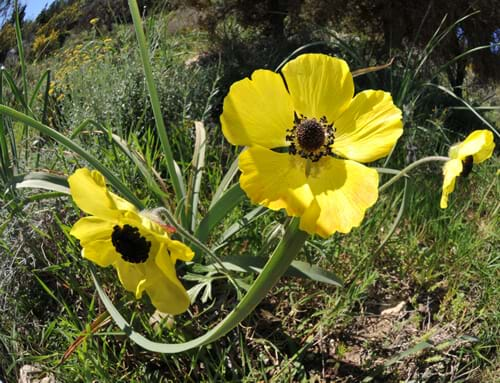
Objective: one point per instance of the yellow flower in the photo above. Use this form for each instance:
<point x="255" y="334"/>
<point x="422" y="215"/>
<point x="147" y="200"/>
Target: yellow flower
<point x="139" y="249"/>
<point x="94" y="21"/>
<point x="477" y="147"/>
<point x="297" y="133"/>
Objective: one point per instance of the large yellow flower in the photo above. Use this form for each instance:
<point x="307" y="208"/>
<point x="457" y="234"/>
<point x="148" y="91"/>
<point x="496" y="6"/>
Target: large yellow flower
<point x="117" y="234"/>
<point x="298" y="128"/>
<point x="476" y="148"/>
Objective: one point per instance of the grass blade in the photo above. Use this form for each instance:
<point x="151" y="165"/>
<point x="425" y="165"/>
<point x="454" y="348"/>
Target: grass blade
<point x="470" y="107"/>
<point x="41" y="180"/>
<point x="218" y="211"/>
<point x="155" y="102"/>
<point x="226" y="181"/>
<point x="197" y="172"/>
<point x="299" y="269"/>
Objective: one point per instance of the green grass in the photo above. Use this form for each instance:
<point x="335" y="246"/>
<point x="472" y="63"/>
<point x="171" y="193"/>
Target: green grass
<point x="441" y="264"/>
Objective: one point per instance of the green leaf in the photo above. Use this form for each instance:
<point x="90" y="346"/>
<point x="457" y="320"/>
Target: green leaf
<point x="305" y="270"/>
<point x="235" y="227"/>
<point x="395" y="224"/>
<point x="412" y="351"/>
<point x="218" y="211"/>
<point x="175" y="177"/>
<point x="299" y="269"/>
<point x="470" y="107"/>
<point x="141" y="165"/>
<point x="41" y="180"/>
<point x="200" y="145"/>
<point x="226" y="181"/>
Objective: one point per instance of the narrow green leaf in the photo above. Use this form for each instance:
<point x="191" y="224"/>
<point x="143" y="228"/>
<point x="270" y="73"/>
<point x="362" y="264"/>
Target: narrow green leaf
<point x="20" y="53"/>
<point x="470" y="107"/>
<point x="404" y="201"/>
<point x="45" y="75"/>
<point x="299" y="269"/>
<point x="305" y="270"/>
<point x="175" y="177"/>
<point x="75" y="132"/>
<point x="218" y="211"/>
<point x="18" y="94"/>
<point x="259" y="211"/>
<point x="412" y="351"/>
<point x="141" y="165"/>
<point x="41" y="180"/>
<point x="226" y="181"/>
<point x="200" y="145"/>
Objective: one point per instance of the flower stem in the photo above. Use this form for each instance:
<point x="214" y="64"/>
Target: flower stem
<point x="410" y="167"/>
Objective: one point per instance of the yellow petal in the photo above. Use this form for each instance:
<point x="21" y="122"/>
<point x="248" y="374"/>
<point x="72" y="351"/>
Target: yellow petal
<point x="88" y="189"/>
<point x="369" y="128"/>
<point x="179" y="251"/>
<point x="275" y="180"/>
<point x="320" y="85"/>
<point x="132" y="276"/>
<point x="451" y="170"/>
<point x="343" y="190"/>
<point x="257" y="111"/>
<point x="478" y="144"/>
<point x="92" y="228"/>
<point x="165" y="290"/>
<point x="122" y="204"/>
<point x="101" y="252"/>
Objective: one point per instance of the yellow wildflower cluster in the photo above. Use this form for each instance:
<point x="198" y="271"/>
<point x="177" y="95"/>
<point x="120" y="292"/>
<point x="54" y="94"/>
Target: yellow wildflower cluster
<point x="90" y="54"/>
<point x="44" y="43"/>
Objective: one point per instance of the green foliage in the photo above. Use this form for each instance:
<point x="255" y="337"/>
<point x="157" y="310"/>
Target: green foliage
<point x="7" y="40"/>
<point x="441" y="264"/>
<point x="397" y="24"/>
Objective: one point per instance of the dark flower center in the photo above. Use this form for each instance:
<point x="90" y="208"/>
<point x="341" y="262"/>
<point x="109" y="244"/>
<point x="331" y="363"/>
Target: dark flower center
<point x="310" y="138"/>
<point x="467" y="166"/>
<point x="128" y="241"/>
<point x="310" y="135"/>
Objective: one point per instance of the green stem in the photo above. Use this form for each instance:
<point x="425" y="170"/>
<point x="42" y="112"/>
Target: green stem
<point x="278" y="263"/>
<point x="410" y="167"/>
<point x="155" y="100"/>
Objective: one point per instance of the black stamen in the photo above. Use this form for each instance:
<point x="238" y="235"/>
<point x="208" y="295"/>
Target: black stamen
<point x="128" y="241"/>
<point x="310" y="135"/>
<point x="310" y="138"/>
<point x="467" y="163"/>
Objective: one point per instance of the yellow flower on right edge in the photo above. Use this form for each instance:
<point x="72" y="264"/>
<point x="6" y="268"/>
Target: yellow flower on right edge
<point x="476" y="148"/>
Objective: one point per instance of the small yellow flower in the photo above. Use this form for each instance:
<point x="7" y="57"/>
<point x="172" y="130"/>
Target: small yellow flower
<point x="108" y="40"/>
<point x="139" y="249"/>
<point x="297" y="132"/>
<point x="476" y="148"/>
<point x="94" y="21"/>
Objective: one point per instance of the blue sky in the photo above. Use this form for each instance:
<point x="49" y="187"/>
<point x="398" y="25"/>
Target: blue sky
<point x="34" y="7"/>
